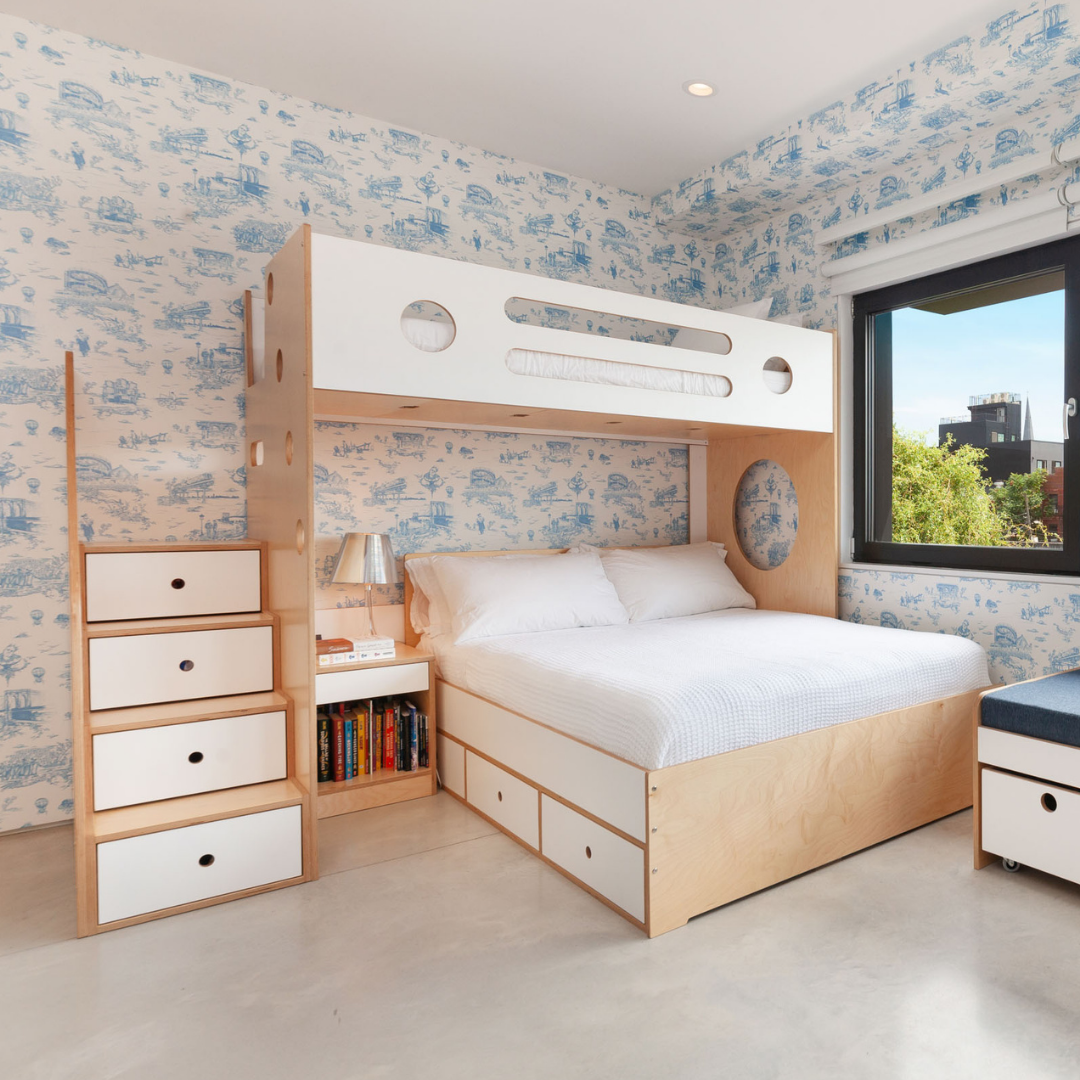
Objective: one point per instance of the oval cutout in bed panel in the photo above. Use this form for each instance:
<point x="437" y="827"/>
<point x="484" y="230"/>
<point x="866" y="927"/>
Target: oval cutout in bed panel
<point x="766" y="514"/>
<point x="584" y="369"/>
<point x="776" y="372"/>
<point x="428" y="326"/>
<point x="518" y="309"/>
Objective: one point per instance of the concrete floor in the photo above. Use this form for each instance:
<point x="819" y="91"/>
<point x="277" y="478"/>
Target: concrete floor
<point x="433" y="945"/>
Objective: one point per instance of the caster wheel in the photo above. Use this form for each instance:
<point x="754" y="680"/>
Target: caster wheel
<point x="1011" y="865"/>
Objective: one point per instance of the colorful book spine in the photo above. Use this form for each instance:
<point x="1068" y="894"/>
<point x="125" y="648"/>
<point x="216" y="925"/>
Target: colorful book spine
<point x="338" y="729"/>
<point x="414" y="739"/>
<point x="325" y="770"/>
<point x="425" y="760"/>
<point x="350" y="746"/>
<point x="355" y="725"/>
<point x="388" y="743"/>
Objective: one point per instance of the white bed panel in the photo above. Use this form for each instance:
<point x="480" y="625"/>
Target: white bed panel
<point x="359" y="292"/>
<point x="611" y="789"/>
<point x="673" y="690"/>
<point x="451" y="758"/>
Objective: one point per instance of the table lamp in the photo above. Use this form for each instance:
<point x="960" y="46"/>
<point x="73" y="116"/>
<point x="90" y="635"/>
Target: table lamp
<point x="365" y="558"/>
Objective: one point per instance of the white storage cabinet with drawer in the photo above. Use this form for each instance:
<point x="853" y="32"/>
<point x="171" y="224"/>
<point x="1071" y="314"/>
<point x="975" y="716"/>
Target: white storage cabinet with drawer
<point x="185" y="793"/>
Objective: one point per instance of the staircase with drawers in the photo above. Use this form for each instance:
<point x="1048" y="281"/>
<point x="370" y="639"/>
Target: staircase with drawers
<point x="185" y="748"/>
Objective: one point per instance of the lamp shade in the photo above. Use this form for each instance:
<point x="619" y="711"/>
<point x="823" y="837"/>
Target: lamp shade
<point x="365" y="558"/>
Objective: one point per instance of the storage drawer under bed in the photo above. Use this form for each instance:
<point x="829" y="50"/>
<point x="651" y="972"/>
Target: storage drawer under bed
<point x="505" y="799"/>
<point x="612" y="866"/>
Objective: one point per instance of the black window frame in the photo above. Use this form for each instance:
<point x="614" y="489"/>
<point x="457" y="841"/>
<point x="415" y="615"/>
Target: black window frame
<point x="873" y="414"/>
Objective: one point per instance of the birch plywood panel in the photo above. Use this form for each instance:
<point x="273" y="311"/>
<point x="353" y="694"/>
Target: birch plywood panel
<point x="726" y="826"/>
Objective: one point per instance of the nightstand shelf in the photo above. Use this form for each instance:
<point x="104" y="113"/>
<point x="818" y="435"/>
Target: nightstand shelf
<point x="407" y="674"/>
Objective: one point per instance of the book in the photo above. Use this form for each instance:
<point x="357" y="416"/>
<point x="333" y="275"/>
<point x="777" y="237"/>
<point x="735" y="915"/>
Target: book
<point x="333" y="645"/>
<point x="338" y="746"/>
<point x="424" y="758"/>
<point x="370" y="737"/>
<point x="350" y="746"/>
<point x="388" y="737"/>
<point x="414" y="739"/>
<point x="325" y="770"/>
<point x="355" y="725"/>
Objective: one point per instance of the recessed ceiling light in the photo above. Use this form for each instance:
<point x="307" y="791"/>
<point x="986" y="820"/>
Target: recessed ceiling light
<point x="697" y="88"/>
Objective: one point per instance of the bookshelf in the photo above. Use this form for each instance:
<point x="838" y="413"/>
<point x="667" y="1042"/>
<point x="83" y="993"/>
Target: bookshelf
<point x="409" y="673"/>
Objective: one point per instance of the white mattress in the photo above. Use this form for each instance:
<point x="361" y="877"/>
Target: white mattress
<point x="674" y="690"/>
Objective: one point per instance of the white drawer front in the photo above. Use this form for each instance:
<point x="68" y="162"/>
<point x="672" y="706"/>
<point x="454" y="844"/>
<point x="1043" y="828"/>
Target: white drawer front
<point x="143" y="668"/>
<point x="451" y="759"/>
<point x="184" y="759"/>
<point x="504" y="798"/>
<point x="612" y="866"/>
<point x="179" y="866"/>
<point x="334" y="686"/>
<point x="1033" y="757"/>
<point x="167" y="584"/>
<point x="1018" y="824"/>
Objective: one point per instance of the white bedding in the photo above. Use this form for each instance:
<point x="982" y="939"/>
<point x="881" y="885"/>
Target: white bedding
<point x="673" y="690"/>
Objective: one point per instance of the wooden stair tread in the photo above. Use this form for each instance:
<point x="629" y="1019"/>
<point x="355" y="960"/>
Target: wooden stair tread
<point x="172" y="625"/>
<point x="183" y="712"/>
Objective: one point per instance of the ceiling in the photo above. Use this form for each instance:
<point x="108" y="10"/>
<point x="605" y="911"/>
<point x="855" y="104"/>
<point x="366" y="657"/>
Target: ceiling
<point x="590" y="88"/>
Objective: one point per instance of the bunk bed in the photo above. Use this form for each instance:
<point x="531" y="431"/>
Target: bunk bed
<point x="508" y="350"/>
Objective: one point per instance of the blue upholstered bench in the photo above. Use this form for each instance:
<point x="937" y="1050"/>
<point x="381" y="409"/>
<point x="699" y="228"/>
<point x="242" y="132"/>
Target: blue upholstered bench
<point x="1027" y="796"/>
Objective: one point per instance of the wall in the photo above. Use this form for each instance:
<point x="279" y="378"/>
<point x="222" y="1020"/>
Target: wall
<point x="138" y="199"/>
<point x="442" y="489"/>
<point x="1006" y="91"/>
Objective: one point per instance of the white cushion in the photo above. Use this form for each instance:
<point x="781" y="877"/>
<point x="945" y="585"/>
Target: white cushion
<point x="491" y="597"/>
<point x="662" y="583"/>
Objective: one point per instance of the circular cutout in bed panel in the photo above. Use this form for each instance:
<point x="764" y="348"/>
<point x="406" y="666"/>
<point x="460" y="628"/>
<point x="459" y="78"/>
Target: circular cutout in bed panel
<point x="777" y="374"/>
<point x="766" y="514"/>
<point x="428" y="326"/>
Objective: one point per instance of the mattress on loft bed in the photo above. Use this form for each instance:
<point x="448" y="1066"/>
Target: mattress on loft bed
<point x="673" y="690"/>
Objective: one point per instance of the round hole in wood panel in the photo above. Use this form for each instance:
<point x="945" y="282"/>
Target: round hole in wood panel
<point x="288" y="447"/>
<point x="588" y="852"/>
<point x="258" y="453"/>
<point x="301" y="538"/>
<point x="269" y="289"/>
<point x="428" y="326"/>
<point x="1049" y="803"/>
<point x="777" y="374"/>
<point x="206" y="860"/>
<point x="178" y="583"/>
<point x="280" y="365"/>
<point x="766" y="514"/>
<point x="195" y="757"/>
<point x="187" y="665"/>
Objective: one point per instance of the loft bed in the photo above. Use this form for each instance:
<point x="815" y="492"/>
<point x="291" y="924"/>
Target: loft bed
<point x="359" y="332"/>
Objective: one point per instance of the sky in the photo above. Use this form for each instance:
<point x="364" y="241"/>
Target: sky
<point x="939" y="361"/>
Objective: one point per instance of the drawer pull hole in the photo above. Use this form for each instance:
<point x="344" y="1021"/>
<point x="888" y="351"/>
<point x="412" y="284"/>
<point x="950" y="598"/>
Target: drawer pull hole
<point x="588" y="852"/>
<point x="500" y="796"/>
<point x="206" y="860"/>
<point x="1049" y="803"/>
<point x="178" y="583"/>
<point x="195" y="757"/>
<point x="186" y="665"/>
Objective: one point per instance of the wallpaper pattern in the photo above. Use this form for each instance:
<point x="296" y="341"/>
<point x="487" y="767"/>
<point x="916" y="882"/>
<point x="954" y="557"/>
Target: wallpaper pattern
<point x="766" y="514"/>
<point x="1002" y="93"/>
<point x="436" y="489"/>
<point x="138" y="199"/>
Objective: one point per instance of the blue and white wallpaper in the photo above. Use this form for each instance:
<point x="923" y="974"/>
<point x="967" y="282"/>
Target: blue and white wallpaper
<point x="766" y="514"/>
<point x="1006" y="90"/>
<point x="138" y="199"/>
<point x="441" y="489"/>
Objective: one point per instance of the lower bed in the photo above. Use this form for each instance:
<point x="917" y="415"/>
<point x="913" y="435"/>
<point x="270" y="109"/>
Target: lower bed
<point x="673" y="766"/>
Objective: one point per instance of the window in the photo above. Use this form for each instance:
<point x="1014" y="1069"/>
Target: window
<point x="960" y="380"/>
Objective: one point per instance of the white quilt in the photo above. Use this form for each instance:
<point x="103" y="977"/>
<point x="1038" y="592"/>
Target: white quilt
<point x="674" y="690"/>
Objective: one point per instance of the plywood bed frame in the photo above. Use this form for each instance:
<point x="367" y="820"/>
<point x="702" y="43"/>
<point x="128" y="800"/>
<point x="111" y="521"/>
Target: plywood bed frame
<point x="659" y="846"/>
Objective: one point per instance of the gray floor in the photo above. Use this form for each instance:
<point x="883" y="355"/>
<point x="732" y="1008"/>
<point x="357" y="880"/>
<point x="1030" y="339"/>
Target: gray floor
<point x="435" y="946"/>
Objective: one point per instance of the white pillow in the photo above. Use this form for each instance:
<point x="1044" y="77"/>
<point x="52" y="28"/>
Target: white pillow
<point x="661" y="583"/>
<point x="490" y="597"/>
<point x="430" y="613"/>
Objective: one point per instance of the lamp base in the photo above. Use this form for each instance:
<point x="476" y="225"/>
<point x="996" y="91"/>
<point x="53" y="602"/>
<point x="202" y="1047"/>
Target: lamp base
<point x="370" y="613"/>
